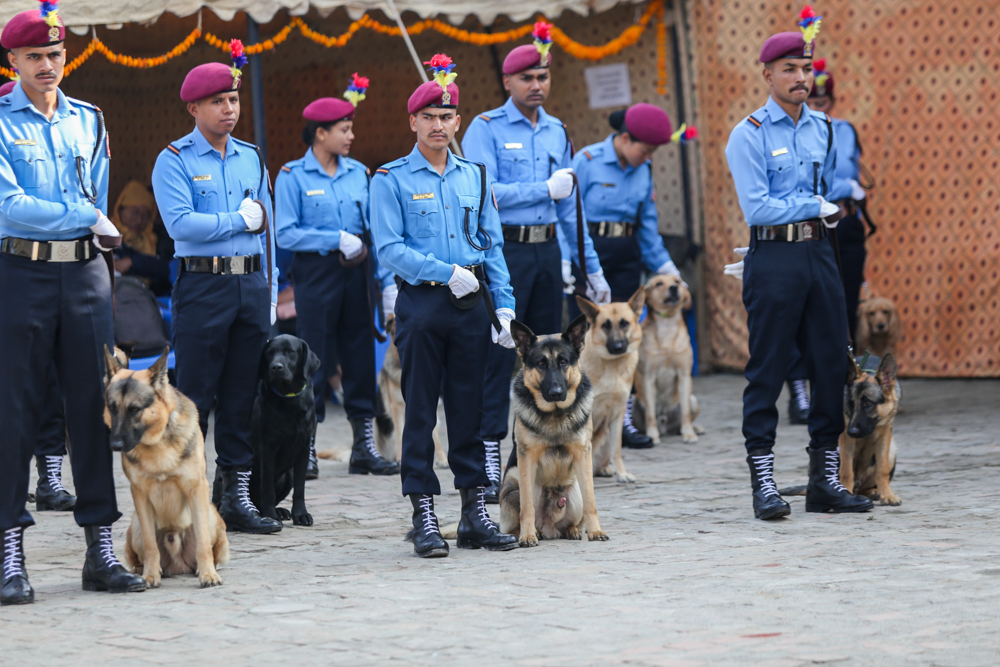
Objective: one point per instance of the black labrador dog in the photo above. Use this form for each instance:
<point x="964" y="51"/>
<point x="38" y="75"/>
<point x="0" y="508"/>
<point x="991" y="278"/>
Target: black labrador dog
<point x="283" y="423"/>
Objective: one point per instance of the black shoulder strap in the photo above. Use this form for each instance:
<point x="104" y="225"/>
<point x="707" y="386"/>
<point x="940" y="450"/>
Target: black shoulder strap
<point x="482" y="187"/>
<point x="569" y="142"/>
<point x="829" y="133"/>
<point x="263" y="174"/>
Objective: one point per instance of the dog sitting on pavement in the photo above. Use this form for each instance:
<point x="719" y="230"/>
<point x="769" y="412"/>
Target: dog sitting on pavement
<point x="175" y="529"/>
<point x="548" y="488"/>
<point x="663" y="376"/>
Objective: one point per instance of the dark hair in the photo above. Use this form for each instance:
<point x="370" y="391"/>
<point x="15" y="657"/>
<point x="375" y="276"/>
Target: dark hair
<point x="617" y="121"/>
<point x="309" y="131"/>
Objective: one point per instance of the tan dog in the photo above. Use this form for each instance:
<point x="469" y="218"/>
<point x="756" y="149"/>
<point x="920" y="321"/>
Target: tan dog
<point x="175" y="529"/>
<point x="609" y="358"/>
<point x="879" y="327"/>
<point x="663" y="376"/>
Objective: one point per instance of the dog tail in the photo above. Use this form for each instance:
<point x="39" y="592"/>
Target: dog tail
<point x="793" y="490"/>
<point x="450" y="532"/>
<point x="337" y="453"/>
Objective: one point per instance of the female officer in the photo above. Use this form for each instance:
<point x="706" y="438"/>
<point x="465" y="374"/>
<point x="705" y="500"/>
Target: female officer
<point x="321" y="211"/>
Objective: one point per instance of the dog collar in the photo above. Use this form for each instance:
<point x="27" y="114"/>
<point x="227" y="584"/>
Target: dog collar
<point x="298" y="393"/>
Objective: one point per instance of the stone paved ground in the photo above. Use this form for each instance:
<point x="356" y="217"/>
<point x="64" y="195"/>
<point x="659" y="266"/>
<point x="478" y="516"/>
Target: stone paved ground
<point x="688" y="578"/>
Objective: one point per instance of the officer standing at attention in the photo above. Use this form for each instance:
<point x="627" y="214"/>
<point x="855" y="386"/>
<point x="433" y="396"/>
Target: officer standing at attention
<point x="782" y="159"/>
<point x="527" y="154"/>
<point x="321" y="206"/>
<point x="212" y="192"/>
<point x="55" y="305"/>
<point x="436" y="227"/>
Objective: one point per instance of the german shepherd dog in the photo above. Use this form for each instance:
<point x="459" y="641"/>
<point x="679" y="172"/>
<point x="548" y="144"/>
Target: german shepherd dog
<point x="548" y="488"/>
<point x="867" y="448"/>
<point x="175" y="529"/>
<point x="609" y="358"/>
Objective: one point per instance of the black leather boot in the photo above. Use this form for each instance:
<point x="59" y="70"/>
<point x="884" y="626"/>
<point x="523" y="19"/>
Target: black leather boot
<point x="476" y="530"/>
<point x="798" y="402"/>
<point x="426" y="534"/>
<point x="50" y="493"/>
<point x="767" y="502"/>
<point x="236" y="508"/>
<point x="365" y="458"/>
<point x="825" y="493"/>
<point x="312" y="471"/>
<point x="16" y="589"/>
<point x="493" y="471"/>
<point x="631" y="437"/>
<point x="101" y="569"/>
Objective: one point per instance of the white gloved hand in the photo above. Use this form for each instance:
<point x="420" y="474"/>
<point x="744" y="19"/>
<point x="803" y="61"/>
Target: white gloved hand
<point x="668" y="269"/>
<point x="598" y="289"/>
<point x="274" y="313"/>
<point x="389" y="295"/>
<point x="462" y="282"/>
<point x="857" y="192"/>
<point x="253" y="214"/>
<point x="736" y="270"/>
<point x="560" y="183"/>
<point x="569" y="280"/>
<point x="103" y="227"/>
<point x="826" y="208"/>
<point x="505" y="315"/>
<point x="350" y="245"/>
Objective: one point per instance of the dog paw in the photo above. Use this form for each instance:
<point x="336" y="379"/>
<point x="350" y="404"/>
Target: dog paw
<point x="528" y="540"/>
<point x="606" y="471"/>
<point x="598" y="536"/>
<point x="892" y="499"/>
<point x="699" y="430"/>
<point x="572" y="533"/>
<point x="210" y="580"/>
<point x="152" y="581"/>
<point x="626" y="478"/>
<point x="304" y="519"/>
<point x="282" y="514"/>
<point x="690" y="437"/>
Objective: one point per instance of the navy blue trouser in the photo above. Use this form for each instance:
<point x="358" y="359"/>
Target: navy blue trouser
<point x="52" y="434"/>
<point x="436" y="341"/>
<point x="621" y="260"/>
<point x="333" y="318"/>
<point x="793" y="295"/>
<point x="536" y="279"/>
<point x="55" y="313"/>
<point x="221" y="324"/>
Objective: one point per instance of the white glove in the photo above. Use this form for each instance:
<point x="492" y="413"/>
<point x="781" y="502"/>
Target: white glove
<point x="857" y="192"/>
<point x="569" y="280"/>
<point x="505" y="315"/>
<point x="103" y="227"/>
<point x="389" y="295"/>
<point x="274" y="313"/>
<point x="736" y="270"/>
<point x="560" y="183"/>
<point x="350" y="245"/>
<point x="598" y="291"/>
<point x="462" y="282"/>
<point x="826" y="208"/>
<point x="668" y="268"/>
<point x="252" y="214"/>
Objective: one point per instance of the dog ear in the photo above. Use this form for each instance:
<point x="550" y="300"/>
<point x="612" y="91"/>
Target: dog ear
<point x="638" y="300"/>
<point x="111" y="365"/>
<point x="587" y="307"/>
<point x="886" y="374"/>
<point x="576" y="332"/>
<point x="523" y="337"/>
<point x="313" y="363"/>
<point x="158" y="371"/>
<point x="685" y="298"/>
<point x="853" y="370"/>
<point x="390" y="325"/>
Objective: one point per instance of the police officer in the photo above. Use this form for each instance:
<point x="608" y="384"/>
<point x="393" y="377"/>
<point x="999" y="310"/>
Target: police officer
<point x="782" y="159"/>
<point x="55" y="298"/>
<point x="321" y="207"/>
<point x="436" y="227"/>
<point x="212" y="192"/>
<point x="527" y="153"/>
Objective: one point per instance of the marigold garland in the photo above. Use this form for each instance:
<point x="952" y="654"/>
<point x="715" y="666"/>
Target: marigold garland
<point x="661" y="52"/>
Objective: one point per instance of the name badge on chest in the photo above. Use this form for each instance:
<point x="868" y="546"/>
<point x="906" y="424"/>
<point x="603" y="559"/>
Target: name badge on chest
<point x="206" y="177"/>
<point x="25" y="142"/>
<point x="780" y="151"/>
<point x="315" y="193"/>
<point x="512" y="146"/>
<point x="425" y="195"/>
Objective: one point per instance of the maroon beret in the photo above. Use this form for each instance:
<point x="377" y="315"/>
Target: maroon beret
<point x="785" y="45"/>
<point x="30" y="28"/>
<point x="7" y="87"/>
<point x="430" y="95"/>
<point x="648" y="124"/>
<point x="207" y="80"/>
<point x="328" y="110"/>
<point x="524" y="57"/>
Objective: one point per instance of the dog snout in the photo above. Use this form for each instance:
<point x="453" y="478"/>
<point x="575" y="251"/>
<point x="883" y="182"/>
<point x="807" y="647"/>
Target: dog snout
<point x="555" y="392"/>
<point x="673" y="290"/>
<point x="277" y="366"/>
<point x="617" y="346"/>
<point x="880" y="326"/>
<point x="117" y="444"/>
<point x="854" y="431"/>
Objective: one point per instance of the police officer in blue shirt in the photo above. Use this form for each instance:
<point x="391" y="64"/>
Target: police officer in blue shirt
<point x="212" y="192"/>
<point x="55" y="301"/>
<point x="436" y="227"/>
<point x="782" y="159"/>
<point x="321" y="207"/>
<point x="527" y="153"/>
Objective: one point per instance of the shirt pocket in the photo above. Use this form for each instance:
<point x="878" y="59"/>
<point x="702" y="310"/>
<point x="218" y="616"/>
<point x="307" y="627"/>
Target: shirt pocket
<point x="350" y="215"/>
<point x="514" y="166"/>
<point x="206" y="197"/>
<point x="315" y="209"/>
<point x="30" y="166"/>
<point x="421" y="217"/>
<point x="781" y="172"/>
<point x="81" y="155"/>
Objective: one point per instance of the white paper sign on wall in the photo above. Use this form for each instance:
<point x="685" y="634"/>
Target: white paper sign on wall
<point x="608" y="86"/>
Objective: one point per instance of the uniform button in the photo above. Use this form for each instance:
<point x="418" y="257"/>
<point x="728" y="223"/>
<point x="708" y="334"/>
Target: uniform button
<point x="452" y="236"/>
<point x="60" y="155"/>
<point x="448" y="207"/>
<point x="779" y="168"/>
<point x="423" y="212"/>
<point x="64" y="189"/>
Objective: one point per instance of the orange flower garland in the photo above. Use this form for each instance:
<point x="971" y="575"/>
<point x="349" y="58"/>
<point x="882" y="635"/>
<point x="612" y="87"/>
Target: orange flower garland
<point x="661" y="52"/>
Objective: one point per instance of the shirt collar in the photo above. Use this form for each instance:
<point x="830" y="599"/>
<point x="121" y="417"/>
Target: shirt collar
<point x="776" y="113"/>
<point x="19" y="100"/>
<point x="312" y="164"/>
<point x="610" y="156"/>
<point x="202" y="146"/>
<point x="514" y="114"/>
<point x="417" y="161"/>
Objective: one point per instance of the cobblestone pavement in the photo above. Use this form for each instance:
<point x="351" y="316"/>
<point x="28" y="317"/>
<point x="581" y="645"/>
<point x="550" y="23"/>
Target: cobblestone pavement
<point x="688" y="578"/>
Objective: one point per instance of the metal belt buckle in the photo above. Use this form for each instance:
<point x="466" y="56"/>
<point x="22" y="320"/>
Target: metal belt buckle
<point x="62" y="251"/>
<point x="790" y="232"/>
<point x="807" y="231"/>
<point x="536" y="233"/>
<point x="236" y="265"/>
<point x="617" y="229"/>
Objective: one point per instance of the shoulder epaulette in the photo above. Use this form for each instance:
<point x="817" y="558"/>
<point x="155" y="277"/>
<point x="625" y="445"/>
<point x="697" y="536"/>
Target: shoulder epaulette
<point x="589" y="156"/>
<point x="173" y="149"/>
<point x="286" y="169"/>
<point x="81" y="103"/>
<point x="244" y="143"/>
<point x="828" y="119"/>
<point x="485" y="117"/>
<point x="368" y="171"/>
<point x="381" y="171"/>
<point x="753" y="121"/>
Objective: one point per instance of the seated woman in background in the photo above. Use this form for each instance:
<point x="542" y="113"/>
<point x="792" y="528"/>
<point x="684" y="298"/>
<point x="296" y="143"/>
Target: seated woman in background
<point x="144" y="253"/>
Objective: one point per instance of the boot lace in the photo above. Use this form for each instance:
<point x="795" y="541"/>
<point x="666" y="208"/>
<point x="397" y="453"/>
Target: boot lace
<point x="764" y="465"/>
<point x="629" y="426"/>
<point x="481" y="510"/>
<point x="833" y="470"/>
<point x="801" y="395"/>
<point x="13" y="561"/>
<point x="243" y="490"/>
<point x="106" y="548"/>
<point x="370" y="438"/>
<point x="492" y="460"/>
<point x="427" y="514"/>
<point x="53" y="470"/>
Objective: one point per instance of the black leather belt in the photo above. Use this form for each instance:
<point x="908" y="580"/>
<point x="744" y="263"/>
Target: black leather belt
<point x="528" y="233"/>
<point x="807" y="230"/>
<point x="77" y="250"/>
<point x="611" y="230"/>
<point x="222" y="265"/>
<point x="477" y="270"/>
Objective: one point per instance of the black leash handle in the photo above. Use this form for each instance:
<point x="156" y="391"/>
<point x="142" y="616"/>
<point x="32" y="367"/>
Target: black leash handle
<point x="580" y="245"/>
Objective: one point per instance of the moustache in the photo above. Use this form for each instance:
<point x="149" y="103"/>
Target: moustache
<point x="799" y="88"/>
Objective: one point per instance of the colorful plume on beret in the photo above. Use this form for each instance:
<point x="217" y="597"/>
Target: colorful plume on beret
<point x="356" y="89"/>
<point x="809" y="25"/>
<point x="34" y="28"/>
<point x="684" y="134"/>
<point x="239" y="61"/>
<point x="542" y="33"/>
<point x="440" y="67"/>
<point x="823" y="82"/>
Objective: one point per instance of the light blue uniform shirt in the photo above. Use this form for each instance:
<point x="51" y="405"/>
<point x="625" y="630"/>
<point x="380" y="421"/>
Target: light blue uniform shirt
<point x="41" y="195"/>
<point x="312" y="209"/>
<point x="520" y="158"/>
<point x="848" y="155"/>
<point x="418" y="222"/>
<point x="613" y="194"/>
<point x="773" y="165"/>
<point x="198" y="194"/>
